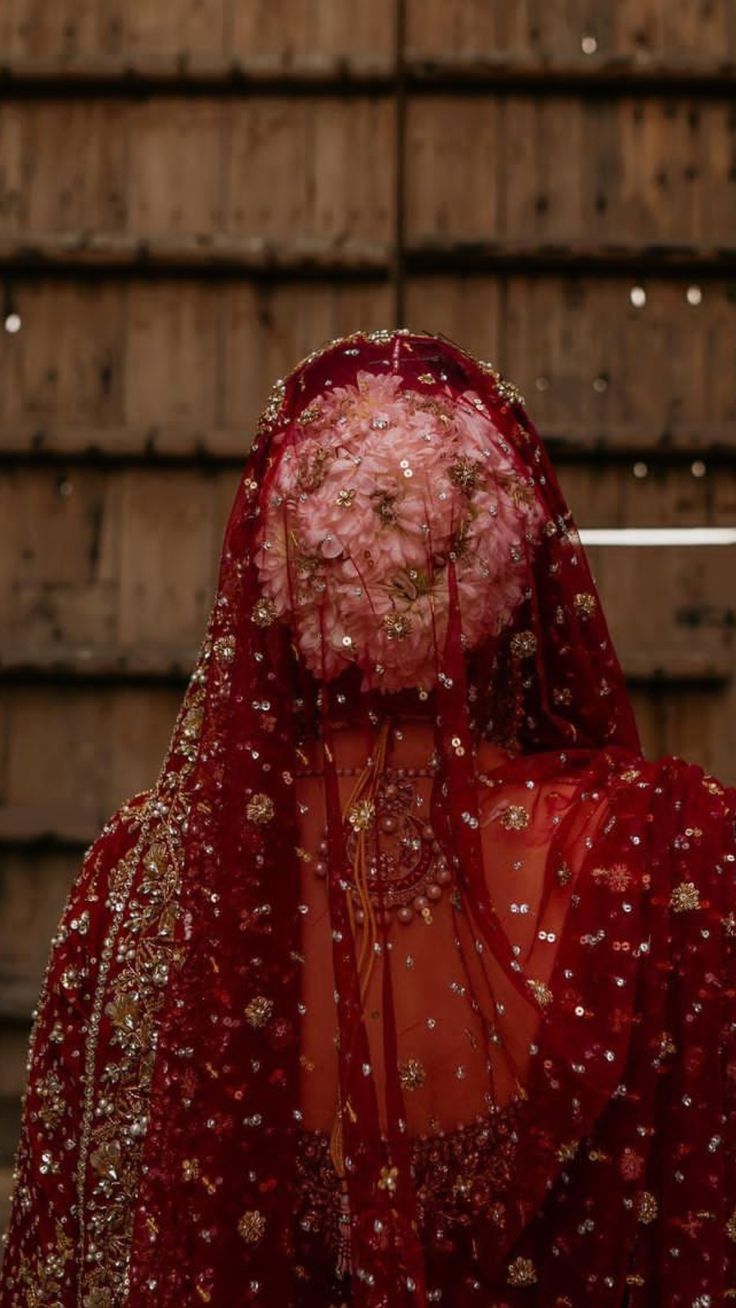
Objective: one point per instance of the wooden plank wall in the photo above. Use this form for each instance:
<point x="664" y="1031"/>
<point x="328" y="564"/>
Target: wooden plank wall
<point x="193" y="194"/>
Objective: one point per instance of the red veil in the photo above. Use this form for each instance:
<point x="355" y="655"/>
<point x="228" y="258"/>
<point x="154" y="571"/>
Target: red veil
<point x="402" y="992"/>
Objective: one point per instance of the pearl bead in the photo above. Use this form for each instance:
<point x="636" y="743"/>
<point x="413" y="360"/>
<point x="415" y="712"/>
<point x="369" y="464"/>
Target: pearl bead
<point x="434" y="892"/>
<point x="420" y="902"/>
<point x="405" y="914"/>
<point x="320" y="869"/>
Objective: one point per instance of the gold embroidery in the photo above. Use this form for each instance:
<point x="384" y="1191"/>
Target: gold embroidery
<point x="585" y="604"/>
<point x="542" y="992"/>
<point x="412" y="1074"/>
<point x="522" y="1272"/>
<point x="258" y="1012"/>
<point x="260" y="809"/>
<point x="252" y="1226"/>
<point x="646" y="1207"/>
<point x="263" y="613"/>
<point x="514" y="818"/>
<point x="135" y="964"/>
<point x="685" y="897"/>
<point x="523" y="644"/>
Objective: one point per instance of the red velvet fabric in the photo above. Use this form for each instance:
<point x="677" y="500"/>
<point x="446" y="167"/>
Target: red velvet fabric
<point x="499" y="1073"/>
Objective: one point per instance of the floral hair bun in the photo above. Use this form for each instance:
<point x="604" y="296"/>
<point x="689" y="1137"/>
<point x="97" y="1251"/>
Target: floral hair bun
<point x="377" y="490"/>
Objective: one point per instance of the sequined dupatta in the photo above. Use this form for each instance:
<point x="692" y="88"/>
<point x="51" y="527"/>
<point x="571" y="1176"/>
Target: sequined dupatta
<point x="410" y="981"/>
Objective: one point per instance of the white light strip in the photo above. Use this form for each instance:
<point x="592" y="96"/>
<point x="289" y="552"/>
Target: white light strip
<point x="658" y="535"/>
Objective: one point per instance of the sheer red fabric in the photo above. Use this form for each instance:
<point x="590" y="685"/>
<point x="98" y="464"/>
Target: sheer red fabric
<point x="410" y="981"/>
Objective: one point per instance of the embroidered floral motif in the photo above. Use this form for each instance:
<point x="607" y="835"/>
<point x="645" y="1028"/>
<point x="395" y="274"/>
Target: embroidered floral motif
<point x="522" y="1272"/>
<point x="646" y="1207"/>
<point x="252" y="1226"/>
<point x="259" y="1011"/>
<point x="260" y="809"/>
<point x="515" y="818"/>
<point x="685" y="897"/>
<point x="412" y="1074"/>
<point x="523" y="644"/>
<point x="585" y="604"/>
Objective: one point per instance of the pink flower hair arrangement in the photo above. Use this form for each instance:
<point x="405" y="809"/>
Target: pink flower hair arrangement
<point x="382" y="487"/>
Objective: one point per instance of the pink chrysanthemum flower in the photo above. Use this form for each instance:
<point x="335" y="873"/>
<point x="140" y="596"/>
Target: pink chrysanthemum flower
<point x="367" y="508"/>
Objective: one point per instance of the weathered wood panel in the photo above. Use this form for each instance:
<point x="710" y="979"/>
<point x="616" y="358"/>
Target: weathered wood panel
<point x="106" y="564"/>
<point x="72" y="754"/>
<point x="33" y="886"/>
<point x="596" y="370"/>
<point x="294" y="31"/>
<point x="181" y="367"/>
<point x="175" y="367"/>
<point x="691" y="722"/>
<point x="277" y="30"/>
<point x="301" y="31"/>
<point x="512" y="167"/>
<point x="479" y="168"/>
<point x="262" y="169"/>
<point x="557" y="27"/>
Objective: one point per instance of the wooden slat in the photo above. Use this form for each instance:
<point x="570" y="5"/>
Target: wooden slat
<point x="162" y="367"/>
<point x="634" y="28"/>
<point x="298" y="32"/>
<point x="6" y="1187"/>
<point x="281" y="31"/>
<point x="288" y="32"/>
<point x="199" y="167"/>
<point x="695" y="724"/>
<point x="72" y="756"/>
<point x="594" y="369"/>
<point x="181" y="368"/>
<point x="604" y="495"/>
<point x="96" y="556"/>
<point x="494" y="168"/>
<point x="33" y="888"/>
<point x="589" y="175"/>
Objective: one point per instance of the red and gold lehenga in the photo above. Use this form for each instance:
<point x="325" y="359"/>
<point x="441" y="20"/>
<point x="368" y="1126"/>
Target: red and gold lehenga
<point x="410" y="981"/>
